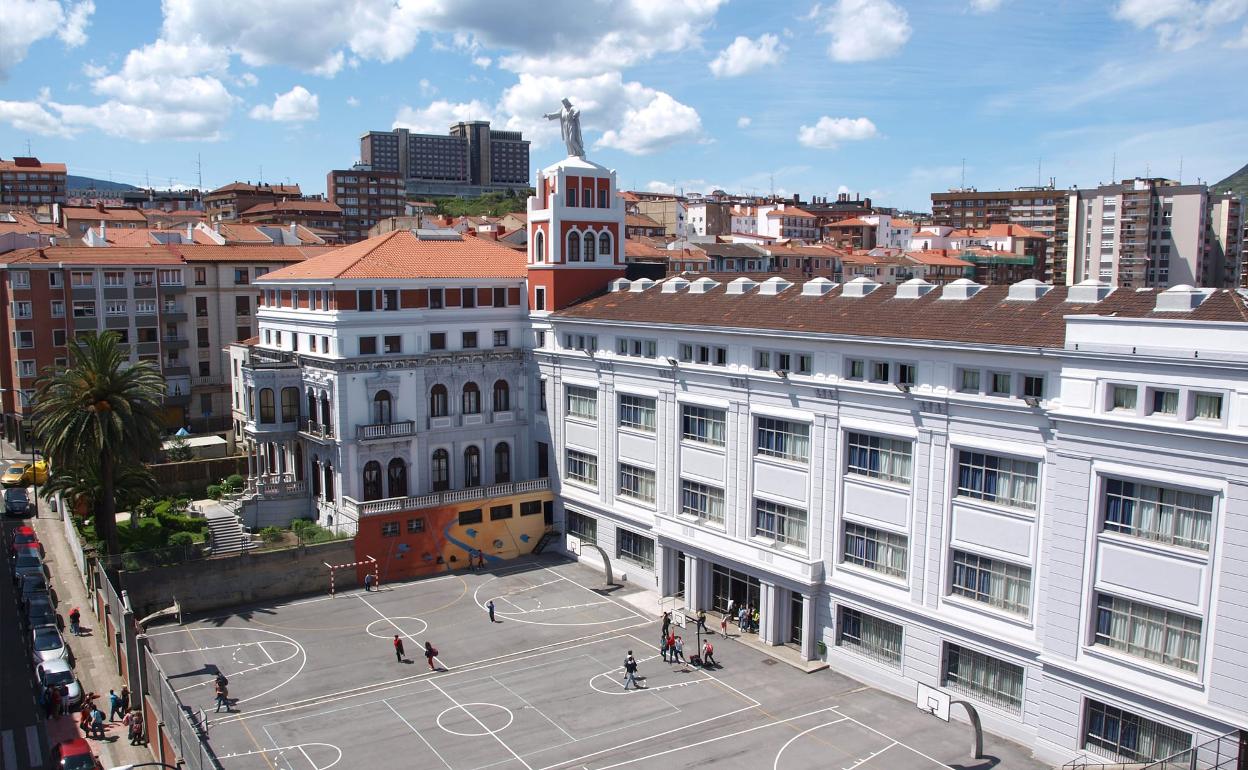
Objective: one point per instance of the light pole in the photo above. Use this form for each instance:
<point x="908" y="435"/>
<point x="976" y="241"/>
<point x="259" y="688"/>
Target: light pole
<point x="34" y="472"/>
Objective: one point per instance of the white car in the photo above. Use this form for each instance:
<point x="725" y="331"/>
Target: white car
<point x="46" y="643"/>
<point x="54" y="673"/>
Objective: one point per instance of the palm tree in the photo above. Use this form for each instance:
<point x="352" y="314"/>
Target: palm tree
<point x="79" y="486"/>
<point x="100" y="410"/>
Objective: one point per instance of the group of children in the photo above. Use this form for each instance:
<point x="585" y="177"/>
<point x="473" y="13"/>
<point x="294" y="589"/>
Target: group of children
<point x="91" y="717"/>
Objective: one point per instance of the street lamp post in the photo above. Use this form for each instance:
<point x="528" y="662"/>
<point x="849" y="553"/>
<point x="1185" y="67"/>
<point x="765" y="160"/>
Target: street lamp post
<point x="34" y="472"/>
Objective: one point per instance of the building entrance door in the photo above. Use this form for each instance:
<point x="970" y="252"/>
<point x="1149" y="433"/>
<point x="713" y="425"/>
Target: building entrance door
<point x="727" y="584"/>
<point x="680" y="573"/>
<point x="795" y="618"/>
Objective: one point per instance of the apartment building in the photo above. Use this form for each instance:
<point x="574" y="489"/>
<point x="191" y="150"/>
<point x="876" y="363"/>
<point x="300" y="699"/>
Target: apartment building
<point x="785" y="221"/>
<point x="320" y="216"/>
<point x="366" y="197"/>
<point x="708" y="217"/>
<point x="1043" y="209"/>
<point x="77" y="220"/>
<point x="30" y="183"/>
<point x="668" y="210"/>
<point x="469" y="160"/>
<point x="1153" y="232"/>
<point x="224" y="204"/>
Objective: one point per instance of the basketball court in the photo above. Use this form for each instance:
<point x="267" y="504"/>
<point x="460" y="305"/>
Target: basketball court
<point x="315" y="684"/>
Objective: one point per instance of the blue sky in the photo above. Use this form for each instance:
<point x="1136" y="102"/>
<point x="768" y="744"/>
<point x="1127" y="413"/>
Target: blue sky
<point x="880" y="97"/>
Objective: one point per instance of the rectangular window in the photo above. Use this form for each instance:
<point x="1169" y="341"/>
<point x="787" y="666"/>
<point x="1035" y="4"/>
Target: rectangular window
<point x="242" y="306"/>
<point x="500" y="297"/>
<point x="415" y="526"/>
<point x="1129" y="737"/>
<point x="469" y="517"/>
<point x="703" y="424"/>
<point x="116" y="307"/>
<point x="500" y="512"/>
<point x="582" y="467"/>
<point x="242" y="276"/>
<point x="636" y="483"/>
<point x="992" y="582"/>
<point x="984" y="677"/>
<point x="869" y="636"/>
<point x="876" y="457"/>
<point x="581" y="402"/>
<point x="530" y="507"/>
<point x="905" y="374"/>
<point x="368" y="346"/>
<point x="500" y="338"/>
<point x="637" y="412"/>
<point x="84" y="310"/>
<point x="437" y="340"/>
<point x="856" y="369"/>
<point x="437" y="299"/>
<point x="169" y="277"/>
<point x="468" y="297"/>
<point x="114" y="278"/>
<point x="58" y="338"/>
<point x="1206" y="406"/>
<point x="1002" y="383"/>
<point x="25" y="368"/>
<point x="587" y="343"/>
<point x="702" y="500"/>
<point x="201" y="276"/>
<point x="539" y="298"/>
<point x="1123" y="398"/>
<point x="1000" y="480"/>
<point x="58" y="308"/>
<point x="20" y="279"/>
<point x="22" y="310"/>
<point x="636" y="348"/>
<point x="782" y="523"/>
<point x="968" y="380"/>
<point x="876" y="549"/>
<point x="468" y="340"/>
<point x="143" y="277"/>
<point x="1144" y="631"/>
<point x="633" y="547"/>
<point x="24" y="339"/>
<point x="880" y="371"/>
<point x="1033" y="386"/>
<point x="144" y="306"/>
<point x="785" y="439"/>
<point x="1161" y="514"/>
<point x="55" y="280"/>
<point x="81" y="279"/>
<point x="391" y="343"/>
<point x="364" y="300"/>
<point x="390" y="529"/>
<point x="581" y="526"/>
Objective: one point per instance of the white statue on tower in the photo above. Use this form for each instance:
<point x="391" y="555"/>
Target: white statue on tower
<point x="570" y="124"/>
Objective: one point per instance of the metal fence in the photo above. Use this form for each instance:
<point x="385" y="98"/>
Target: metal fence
<point x="185" y="728"/>
<point x="1225" y="752"/>
<point x="72" y="536"/>
<point x="157" y="557"/>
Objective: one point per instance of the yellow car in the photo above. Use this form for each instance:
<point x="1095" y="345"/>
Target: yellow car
<point x="13" y="475"/>
<point x="25" y="474"/>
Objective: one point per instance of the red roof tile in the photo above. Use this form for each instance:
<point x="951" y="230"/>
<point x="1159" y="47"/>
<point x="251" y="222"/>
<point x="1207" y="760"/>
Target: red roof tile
<point x="402" y="255"/>
<point x="86" y="255"/>
<point x="242" y="253"/>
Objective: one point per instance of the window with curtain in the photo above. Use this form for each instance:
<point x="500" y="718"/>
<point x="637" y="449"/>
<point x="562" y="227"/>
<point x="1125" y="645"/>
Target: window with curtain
<point x="633" y="547"/>
<point x="382" y="407"/>
<point x="502" y="463"/>
<point x="396" y="478"/>
<point x="702" y="500"/>
<point x="372" y="480"/>
<point x="785" y="439"/>
<point x="1130" y="737"/>
<point x="438" y="401"/>
<point x="472" y="398"/>
<point x="589" y="250"/>
<point x="267" y="414"/>
<point x="582" y="467"/>
<point x="968" y="380"/>
<point x="502" y="396"/>
<point x="574" y="248"/>
<point x="1165" y="402"/>
<point x="869" y="636"/>
<point x="1144" y="631"/>
<point x="290" y="405"/>
<point x="703" y="424"/>
<point x="472" y="467"/>
<point x="782" y="523"/>
<point x="875" y="549"/>
<point x="581" y="526"/>
<point x="637" y="412"/>
<point x="1124" y="398"/>
<point x="1207" y="406"/>
<point x="992" y="581"/>
<point x="984" y="677"/>
<point x="636" y="483"/>
<point x="1162" y="514"/>
<point x="1001" y="480"/>
<point x="440" y="470"/>
<point x="876" y="457"/>
<point x="581" y="402"/>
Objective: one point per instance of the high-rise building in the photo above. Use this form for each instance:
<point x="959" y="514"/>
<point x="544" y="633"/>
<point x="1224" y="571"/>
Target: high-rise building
<point x="366" y="196"/>
<point x="1042" y="209"/>
<point x="1152" y="232"/>
<point x="29" y="182"/>
<point x="469" y="160"/>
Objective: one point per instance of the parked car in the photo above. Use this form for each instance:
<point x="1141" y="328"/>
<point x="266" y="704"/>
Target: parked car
<point x="13" y="475"/>
<point x="35" y="473"/>
<point x="27" y="561"/>
<point x="34" y="585"/>
<point x="46" y="643"/>
<point x="54" y="673"/>
<point x="41" y="611"/>
<point x="16" y="501"/>
<point x="74" y="754"/>
<point x="21" y="536"/>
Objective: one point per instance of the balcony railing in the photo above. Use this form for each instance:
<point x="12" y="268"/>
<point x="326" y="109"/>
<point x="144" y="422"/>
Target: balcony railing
<point x="393" y="504"/>
<point x="279" y="488"/>
<point x="317" y="429"/>
<point x="381" y="430"/>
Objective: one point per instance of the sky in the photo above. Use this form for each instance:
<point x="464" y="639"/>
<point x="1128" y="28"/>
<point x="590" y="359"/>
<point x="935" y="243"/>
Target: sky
<point x="892" y="99"/>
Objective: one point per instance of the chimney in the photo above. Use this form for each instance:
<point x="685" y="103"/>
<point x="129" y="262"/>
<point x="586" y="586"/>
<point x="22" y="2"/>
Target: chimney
<point x="190" y="232"/>
<point x="99" y="206"/>
<point x="103" y="232"/>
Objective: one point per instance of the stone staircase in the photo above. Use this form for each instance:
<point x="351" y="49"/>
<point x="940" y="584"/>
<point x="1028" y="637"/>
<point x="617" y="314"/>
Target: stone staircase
<point x="228" y="534"/>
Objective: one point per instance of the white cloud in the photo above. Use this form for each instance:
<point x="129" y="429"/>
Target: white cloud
<point x="744" y="56"/>
<point x="1181" y="24"/>
<point x="1242" y="42"/>
<point x="985" y="6"/>
<point x="436" y="117"/>
<point x="248" y="79"/>
<point x="93" y="70"/>
<point x="828" y="132"/>
<point x="352" y="101"/>
<point x="427" y="88"/>
<point x="744" y="121"/>
<point x="483" y="62"/>
<point x="297" y="105"/>
<point x="31" y="117"/>
<point x="863" y="30"/>
<point x="660" y="122"/>
<point x="25" y="22"/>
<point x="842" y="190"/>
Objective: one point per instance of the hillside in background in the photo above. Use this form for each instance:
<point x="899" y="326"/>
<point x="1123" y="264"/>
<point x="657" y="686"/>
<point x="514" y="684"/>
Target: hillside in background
<point x="87" y="183"/>
<point x="490" y="204"/>
<point x="1236" y="183"/>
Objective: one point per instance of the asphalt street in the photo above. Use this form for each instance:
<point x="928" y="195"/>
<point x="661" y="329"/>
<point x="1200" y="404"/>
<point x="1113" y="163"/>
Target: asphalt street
<point x="23" y="734"/>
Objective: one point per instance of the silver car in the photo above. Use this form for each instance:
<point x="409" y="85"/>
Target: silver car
<point x="55" y="673"/>
<point x="27" y="561"/>
<point x="46" y="643"/>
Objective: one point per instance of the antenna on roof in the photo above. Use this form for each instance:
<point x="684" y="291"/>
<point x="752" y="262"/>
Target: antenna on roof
<point x="1180" y="169"/>
<point x="28" y="152"/>
<point x="963" y="185"/>
<point x="1113" y="174"/>
<point x="199" y="171"/>
<point x="1039" y="164"/>
<point x="260" y="180"/>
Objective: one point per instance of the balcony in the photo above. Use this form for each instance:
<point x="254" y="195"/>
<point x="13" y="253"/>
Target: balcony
<point x="277" y="485"/>
<point x="174" y="342"/>
<point x="318" y="431"/>
<point x="174" y="369"/>
<point x="173" y="313"/>
<point x="385" y="430"/>
<point x="393" y="504"/>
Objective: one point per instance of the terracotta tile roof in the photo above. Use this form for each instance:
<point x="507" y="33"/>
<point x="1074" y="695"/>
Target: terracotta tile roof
<point x="240" y="233"/>
<point x="641" y="220"/>
<point x="402" y="255"/>
<point x="139" y="236"/>
<point x="986" y="318"/>
<point x="108" y="214"/>
<point x="998" y="231"/>
<point x="901" y="223"/>
<point x="854" y="222"/>
<point x="732" y="250"/>
<point x="25" y="224"/>
<point x="86" y="255"/>
<point x="295" y="205"/>
<point x="276" y="189"/>
<point x="243" y="253"/>
<point x="31" y="164"/>
<point x="791" y="211"/>
<point x="937" y="258"/>
<point x="759" y="236"/>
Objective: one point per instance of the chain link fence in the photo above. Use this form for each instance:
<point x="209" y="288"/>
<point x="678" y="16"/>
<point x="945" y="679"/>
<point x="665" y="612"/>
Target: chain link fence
<point x="185" y="727"/>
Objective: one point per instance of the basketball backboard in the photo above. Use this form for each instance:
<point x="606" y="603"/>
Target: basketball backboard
<point x="574" y="544"/>
<point x="933" y="701"/>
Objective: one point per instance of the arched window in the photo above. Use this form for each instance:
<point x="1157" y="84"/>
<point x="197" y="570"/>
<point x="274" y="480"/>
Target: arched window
<point x="382" y="408"/>
<point x="440" y="470"/>
<point x="372" y="480"/>
<point x="502" y="396"/>
<point x="472" y="398"/>
<point x="316" y="478"/>
<point x="298" y="462"/>
<point x="604" y="244"/>
<point x="326" y="418"/>
<point x="437" y="401"/>
<point x="311" y="406"/>
<point x="290" y="405"/>
<point x="539" y="246"/>
<point x="396" y="477"/>
<point x="329" y="481"/>
<point x="574" y="248"/>
<point x="472" y="467"/>
<point x="266" y="405"/>
<point x="589" y="247"/>
<point x="502" y="463"/>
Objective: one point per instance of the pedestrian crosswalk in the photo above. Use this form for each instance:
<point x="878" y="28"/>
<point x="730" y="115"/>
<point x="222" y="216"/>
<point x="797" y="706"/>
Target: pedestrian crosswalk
<point x="22" y="748"/>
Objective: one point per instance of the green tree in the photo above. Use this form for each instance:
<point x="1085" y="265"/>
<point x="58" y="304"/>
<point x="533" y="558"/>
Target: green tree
<point x="80" y="485"/>
<point x="178" y="451"/>
<point x="103" y="411"/>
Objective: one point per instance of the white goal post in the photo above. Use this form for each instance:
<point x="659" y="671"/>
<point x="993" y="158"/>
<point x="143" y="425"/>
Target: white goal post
<point x="368" y="560"/>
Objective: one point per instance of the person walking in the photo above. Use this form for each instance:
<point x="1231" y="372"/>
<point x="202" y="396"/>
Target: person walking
<point x="97" y="723"/>
<point x="741" y="616"/>
<point x="630" y="671"/>
<point x="702" y="621"/>
<point x="84" y="716"/>
<point x="663" y="647"/>
<point x="125" y="700"/>
<point x="723" y="626"/>
<point x="490" y="606"/>
<point x="223" y="699"/>
<point x="134" y="725"/>
<point x="398" y="648"/>
<point x="678" y="650"/>
<point x="667" y="623"/>
<point x="708" y="654"/>
<point x="115" y="710"/>
<point x="481" y="560"/>
<point x="430" y="654"/>
<point x="75" y="618"/>
<point x="369" y="579"/>
<point x="729" y="613"/>
<point x="754" y="622"/>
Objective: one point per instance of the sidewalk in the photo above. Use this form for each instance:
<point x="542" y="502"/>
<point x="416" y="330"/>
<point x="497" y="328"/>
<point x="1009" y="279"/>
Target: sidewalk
<point x="93" y="661"/>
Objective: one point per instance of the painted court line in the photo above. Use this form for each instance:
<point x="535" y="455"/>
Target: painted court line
<point x="621" y="605"/>
<point x="908" y="747"/>
<point x="418" y="735"/>
<point x="776" y="765"/>
<point x="474" y="718"/>
<point x="402" y="633"/>
<point x="540" y="713"/>
<point x="871" y="756"/>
